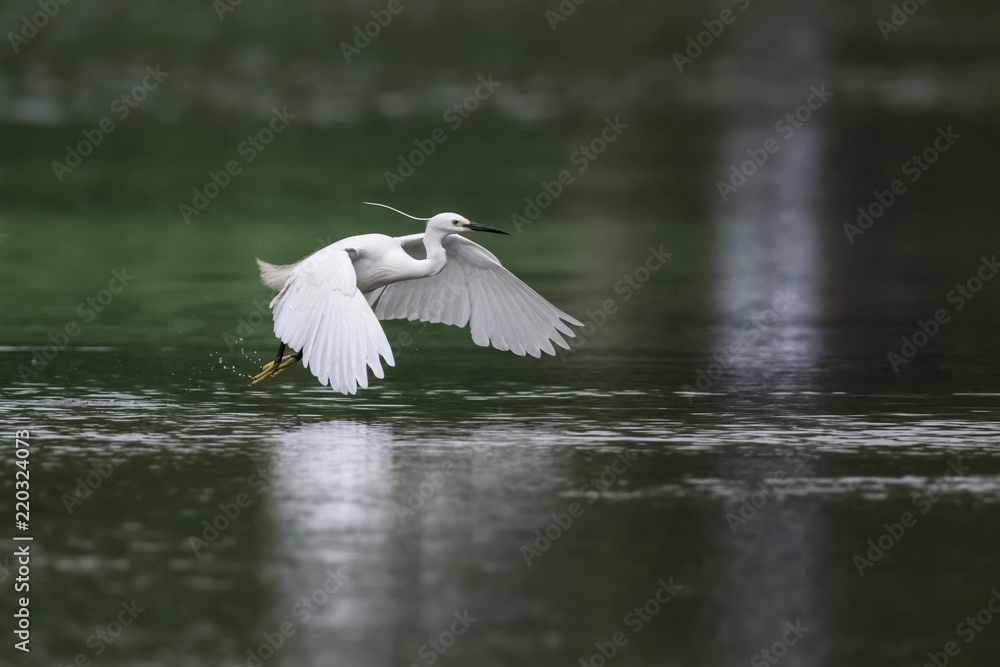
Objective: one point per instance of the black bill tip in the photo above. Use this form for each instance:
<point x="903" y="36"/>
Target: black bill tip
<point x="476" y="227"/>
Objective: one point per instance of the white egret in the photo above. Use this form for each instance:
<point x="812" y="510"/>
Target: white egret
<point x="328" y="305"/>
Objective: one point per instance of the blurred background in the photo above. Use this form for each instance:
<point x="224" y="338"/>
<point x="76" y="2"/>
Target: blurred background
<point x="749" y="331"/>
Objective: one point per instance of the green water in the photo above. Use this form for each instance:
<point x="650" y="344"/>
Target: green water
<point x="727" y="462"/>
<point x="150" y="392"/>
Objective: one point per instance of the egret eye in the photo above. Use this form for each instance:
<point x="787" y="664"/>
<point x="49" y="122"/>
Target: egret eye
<point x="456" y="222"/>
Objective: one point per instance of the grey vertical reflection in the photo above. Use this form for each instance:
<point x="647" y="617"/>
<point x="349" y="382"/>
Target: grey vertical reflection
<point x="767" y="291"/>
<point x="331" y="510"/>
<point x="768" y="265"/>
<point x="338" y="490"/>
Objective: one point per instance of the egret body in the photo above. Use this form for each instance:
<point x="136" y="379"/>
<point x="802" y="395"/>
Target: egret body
<point x="329" y="304"/>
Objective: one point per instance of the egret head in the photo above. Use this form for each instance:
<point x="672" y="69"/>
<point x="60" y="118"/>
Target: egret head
<point x="447" y="223"/>
<point x="453" y="223"/>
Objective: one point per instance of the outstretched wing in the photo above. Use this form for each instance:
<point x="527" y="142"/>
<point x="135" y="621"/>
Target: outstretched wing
<point x="321" y="313"/>
<point x="475" y="289"/>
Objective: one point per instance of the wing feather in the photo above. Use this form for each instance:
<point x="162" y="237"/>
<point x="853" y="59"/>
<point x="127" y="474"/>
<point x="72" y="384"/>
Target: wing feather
<point x="475" y="289"/>
<point x="321" y="313"/>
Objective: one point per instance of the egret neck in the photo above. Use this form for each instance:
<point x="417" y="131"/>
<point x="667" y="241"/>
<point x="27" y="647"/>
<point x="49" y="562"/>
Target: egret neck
<point x="436" y="255"/>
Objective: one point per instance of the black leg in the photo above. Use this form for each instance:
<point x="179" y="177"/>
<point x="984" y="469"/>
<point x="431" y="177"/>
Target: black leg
<point x="281" y="353"/>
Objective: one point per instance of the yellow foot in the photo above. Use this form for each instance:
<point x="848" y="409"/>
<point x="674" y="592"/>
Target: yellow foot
<point x="271" y="369"/>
